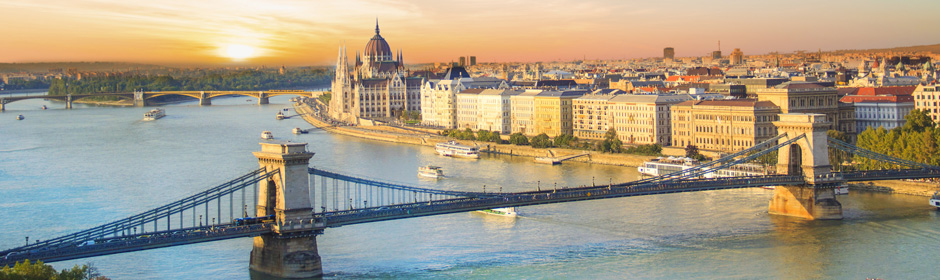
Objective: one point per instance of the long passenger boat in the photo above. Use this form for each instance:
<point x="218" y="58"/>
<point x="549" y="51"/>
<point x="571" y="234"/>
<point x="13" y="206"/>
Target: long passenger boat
<point x="935" y="200"/>
<point x="454" y="149"/>
<point x="662" y="166"/>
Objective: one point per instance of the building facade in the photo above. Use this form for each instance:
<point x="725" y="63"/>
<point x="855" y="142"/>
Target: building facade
<point x="439" y="97"/>
<point x="553" y="113"/>
<point x="880" y="107"/>
<point x="591" y="118"/>
<point x="377" y="87"/>
<point x="644" y="119"/>
<point x="927" y="97"/>
<point x="723" y="125"/>
<point x="485" y="109"/>
<point x="810" y="98"/>
<point x="522" y="112"/>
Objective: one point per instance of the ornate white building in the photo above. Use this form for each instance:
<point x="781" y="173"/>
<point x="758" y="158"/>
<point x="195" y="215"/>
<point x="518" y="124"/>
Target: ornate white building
<point x="377" y="87"/>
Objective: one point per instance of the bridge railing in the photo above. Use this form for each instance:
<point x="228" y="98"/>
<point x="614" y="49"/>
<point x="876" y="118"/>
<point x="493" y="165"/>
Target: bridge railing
<point x="340" y="218"/>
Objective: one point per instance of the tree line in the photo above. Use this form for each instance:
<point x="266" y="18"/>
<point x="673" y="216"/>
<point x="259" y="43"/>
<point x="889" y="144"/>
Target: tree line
<point x="917" y="140"/>
<point x="196" y="80"/>
<point x="610" y="144"/>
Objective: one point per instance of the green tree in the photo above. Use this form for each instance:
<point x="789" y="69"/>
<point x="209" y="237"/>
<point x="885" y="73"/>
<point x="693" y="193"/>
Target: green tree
<point x="691" y="151"/>
<point x="917" y="121"/>
<point x="837" y="157"/>
<point x="518" y="139"/>
<point x="541" y="141"/>
<point x="565" y="140"/>
<point x="27" y="270"/>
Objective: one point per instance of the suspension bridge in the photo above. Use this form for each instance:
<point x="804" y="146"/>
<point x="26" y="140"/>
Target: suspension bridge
<point x="285" y="203"/>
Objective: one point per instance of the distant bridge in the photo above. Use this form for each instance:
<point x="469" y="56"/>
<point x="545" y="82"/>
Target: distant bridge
<point x="294" y="203"/>
<point x="141" y="98"/>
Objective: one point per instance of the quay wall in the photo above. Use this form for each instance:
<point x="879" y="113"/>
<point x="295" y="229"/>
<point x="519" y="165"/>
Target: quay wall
<point x="427" y="137"/>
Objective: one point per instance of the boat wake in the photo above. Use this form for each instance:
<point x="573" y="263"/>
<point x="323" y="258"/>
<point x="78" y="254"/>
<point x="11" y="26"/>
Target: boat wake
<point x="18" y="149"/>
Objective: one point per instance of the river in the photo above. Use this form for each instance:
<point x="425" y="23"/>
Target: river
<point x="66" y="170"/>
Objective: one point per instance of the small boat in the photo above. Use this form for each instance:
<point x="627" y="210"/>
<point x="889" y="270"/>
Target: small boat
<point x="842" y="189"/>
<point x="505" y="212"/>
<point x="769" y="187"/>
<point x="20" y="117"/>
<point x="935" y="200"/>
<point x="297" y="130"/>
<point x="430" y="171"/>
<point x="454" y="149"/>
<point x="248" y="100"/>
<point x="154" y="114"/>
<point x="279" y="116"/>
<point x="44" y="107"/>
<point x="266" y="135"/>
<point x="285" y="109"/>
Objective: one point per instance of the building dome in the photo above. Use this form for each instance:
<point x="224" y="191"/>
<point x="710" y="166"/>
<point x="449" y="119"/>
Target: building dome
<point x="377" y="49"/>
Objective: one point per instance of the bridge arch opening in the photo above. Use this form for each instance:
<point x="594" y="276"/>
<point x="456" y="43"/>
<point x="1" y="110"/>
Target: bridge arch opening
<point x="271" y="198"/>
<point x="796" y="160"/>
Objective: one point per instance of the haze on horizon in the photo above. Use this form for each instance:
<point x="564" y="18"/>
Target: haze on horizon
<point x="301" y="32"/>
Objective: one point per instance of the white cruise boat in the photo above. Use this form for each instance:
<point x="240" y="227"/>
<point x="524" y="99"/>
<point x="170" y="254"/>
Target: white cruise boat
<point x="454" y="149"/>
<point x="505" y="212"/>
<point x="662" y="166"/>
<point x="279" y="116"/>
<point x="154" y="114"/>
<point x="297" y="130"/>
<point x="266" y="135"/>
<point x="430" y="171"/>
<point x="935" y="200"/>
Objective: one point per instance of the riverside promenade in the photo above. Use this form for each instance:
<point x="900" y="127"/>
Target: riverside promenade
<point x="430" y="137"/>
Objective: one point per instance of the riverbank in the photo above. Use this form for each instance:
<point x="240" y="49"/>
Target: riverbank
<point x="430" y="138"/>
<point x="897" y="187"/>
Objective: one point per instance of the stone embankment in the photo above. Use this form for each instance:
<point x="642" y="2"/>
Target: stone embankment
<point x="428" y="137"/>
<point x="898" y="187"/>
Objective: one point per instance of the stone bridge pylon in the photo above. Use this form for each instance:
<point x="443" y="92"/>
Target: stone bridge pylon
<point x="808" y="157"/>
<point x="290" y="251"/>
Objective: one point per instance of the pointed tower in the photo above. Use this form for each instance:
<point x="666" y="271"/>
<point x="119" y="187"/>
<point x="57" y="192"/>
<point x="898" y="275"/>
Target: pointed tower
<point x="341" y="98"/>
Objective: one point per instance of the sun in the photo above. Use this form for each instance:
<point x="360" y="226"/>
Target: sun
<point x="236" y="51"/>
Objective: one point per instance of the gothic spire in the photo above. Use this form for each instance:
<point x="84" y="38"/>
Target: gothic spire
<point x="376" y="26"/>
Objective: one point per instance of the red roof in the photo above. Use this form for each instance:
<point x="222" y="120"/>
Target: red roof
<point x="877" y="98"/>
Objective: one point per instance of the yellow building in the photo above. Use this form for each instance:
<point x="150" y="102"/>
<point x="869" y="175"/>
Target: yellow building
<point x="811" y="98"/>
<point x="591" y="118"/>
<point x="643" y="119"/>
<point x="723" y="125"/>
<point x="927" y="98"/>
<point x="553" y="114"/>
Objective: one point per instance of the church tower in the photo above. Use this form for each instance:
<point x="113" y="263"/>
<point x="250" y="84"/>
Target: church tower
<point x="342" y="102"/>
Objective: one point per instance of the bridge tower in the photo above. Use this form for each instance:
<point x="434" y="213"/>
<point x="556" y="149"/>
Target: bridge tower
<point x="139" y="100"/>
<point x="3" y="105"/>
<point x="204" y="99"/>
<point x="290" y="251"/>
<point x="808" y="157"/>
<point x="262" y="98"/>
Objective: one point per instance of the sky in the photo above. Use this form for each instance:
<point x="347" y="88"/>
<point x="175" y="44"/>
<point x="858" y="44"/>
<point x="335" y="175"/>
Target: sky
<point x="309" y="32"/>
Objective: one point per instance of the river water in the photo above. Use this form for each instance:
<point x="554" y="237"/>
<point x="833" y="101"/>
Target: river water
<point x="66" y="170"/>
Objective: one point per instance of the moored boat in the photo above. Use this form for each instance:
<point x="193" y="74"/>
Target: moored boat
<point x="154" y="114"/>
<point x="267" y="135"/>
<point x="279" y="115"/>
<point x="505" y="212"/>
<point x="297" y="130"/>
<point x="842" y="189"/>
<point x="662" y="166"/>
<point x="430" y="171"/>
<point x="935" y="200"/>
<point x="454" y="149"/>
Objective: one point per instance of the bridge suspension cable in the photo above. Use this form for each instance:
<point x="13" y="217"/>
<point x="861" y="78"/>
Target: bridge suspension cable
<point x="721" y="163"/>
<point x="849" y="148"/>
<point x="334" y="175"/>
<point x="191" y="203"/>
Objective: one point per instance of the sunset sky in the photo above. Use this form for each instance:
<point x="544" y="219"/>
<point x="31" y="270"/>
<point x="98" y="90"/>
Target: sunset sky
<point x="308" y="32"/>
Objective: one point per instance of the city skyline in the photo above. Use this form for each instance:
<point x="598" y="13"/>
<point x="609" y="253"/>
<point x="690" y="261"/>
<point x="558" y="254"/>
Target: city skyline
<point x="304" y="33"/>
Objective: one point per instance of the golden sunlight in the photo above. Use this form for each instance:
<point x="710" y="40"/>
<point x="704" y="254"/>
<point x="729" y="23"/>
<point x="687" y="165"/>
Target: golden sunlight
<point x="236" y="51"/>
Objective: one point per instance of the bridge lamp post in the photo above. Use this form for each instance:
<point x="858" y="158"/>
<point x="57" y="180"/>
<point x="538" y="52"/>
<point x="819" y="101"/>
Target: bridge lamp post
<point x="27" y="240"/>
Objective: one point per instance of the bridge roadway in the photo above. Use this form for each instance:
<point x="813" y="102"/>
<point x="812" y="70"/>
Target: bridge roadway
<point x="203" y="96"/>
<point x="479" y="201"/>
